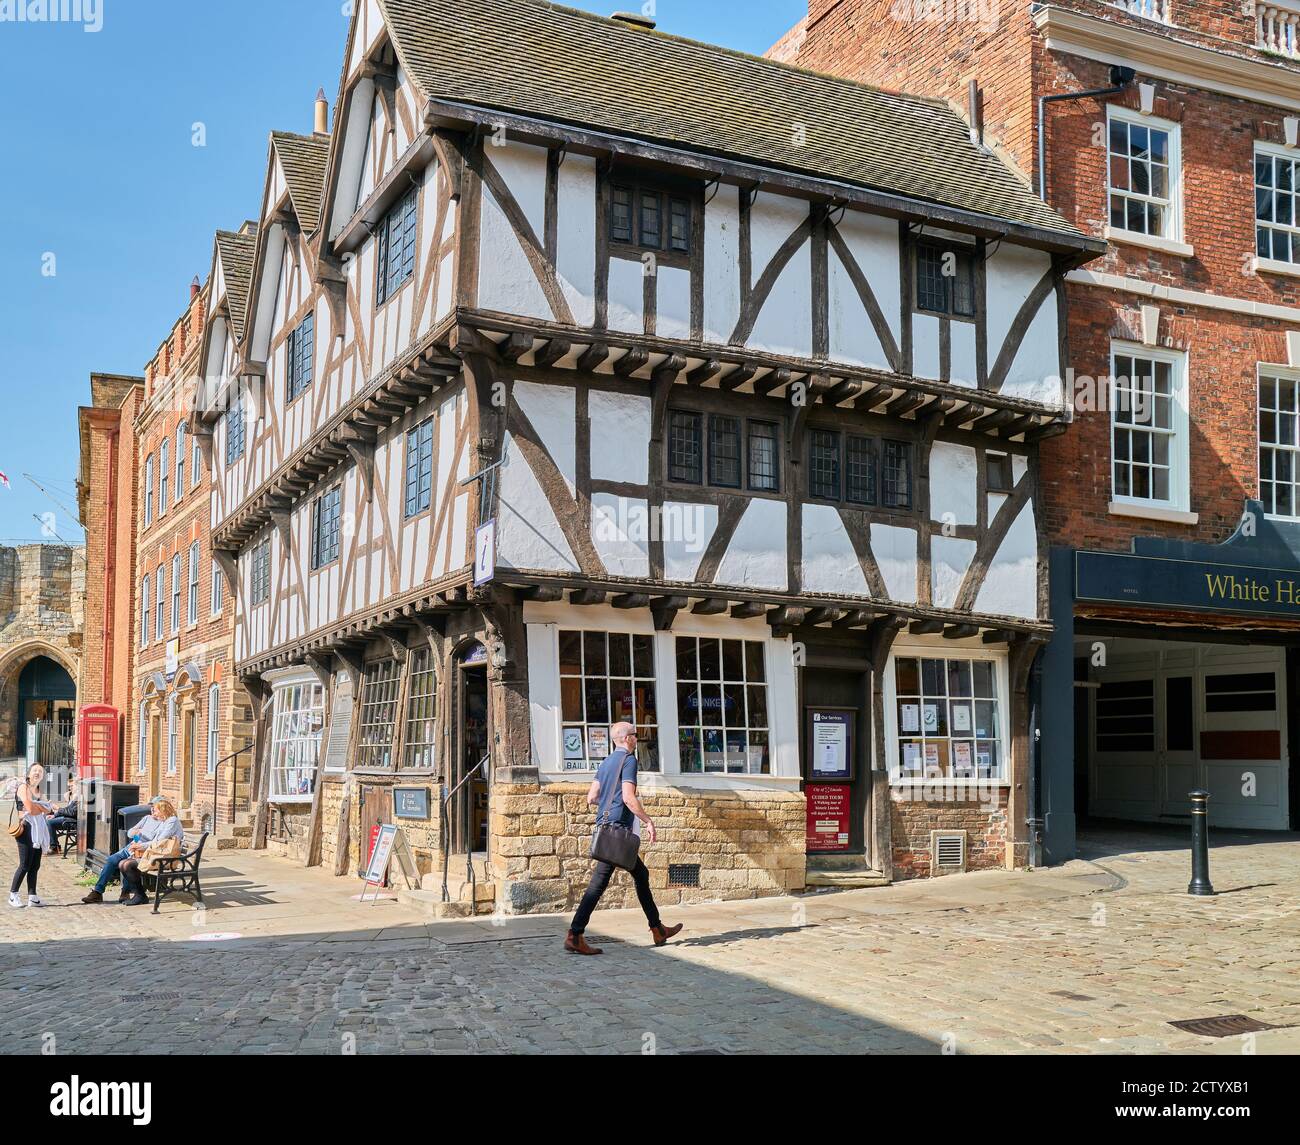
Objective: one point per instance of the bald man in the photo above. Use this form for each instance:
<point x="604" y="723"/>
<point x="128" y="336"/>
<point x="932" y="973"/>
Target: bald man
<point x="614" y="791"/>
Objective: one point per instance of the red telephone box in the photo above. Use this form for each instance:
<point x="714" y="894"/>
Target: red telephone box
<point x="99" y="742"/>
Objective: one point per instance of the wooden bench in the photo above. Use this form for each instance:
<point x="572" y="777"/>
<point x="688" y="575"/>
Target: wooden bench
<point x="178" y="874"/>
<point x="64" y="836"/>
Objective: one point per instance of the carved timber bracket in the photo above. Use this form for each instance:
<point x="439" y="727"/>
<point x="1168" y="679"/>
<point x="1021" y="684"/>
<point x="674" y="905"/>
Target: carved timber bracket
<point x="228" y="561"/>
<point x="880" y="639"/>
<point x="324" y="670"/>
<point x="282" y="519"/>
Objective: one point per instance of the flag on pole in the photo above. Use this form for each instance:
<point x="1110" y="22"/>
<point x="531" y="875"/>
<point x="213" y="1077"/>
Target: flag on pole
<point x="4" y="479"/>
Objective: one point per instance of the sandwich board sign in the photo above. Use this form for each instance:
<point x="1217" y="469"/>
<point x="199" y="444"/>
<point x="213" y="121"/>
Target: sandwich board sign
<point x="389" y="842"/>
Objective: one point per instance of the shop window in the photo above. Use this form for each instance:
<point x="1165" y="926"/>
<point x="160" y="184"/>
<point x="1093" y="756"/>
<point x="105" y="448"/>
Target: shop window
<point x="1279" y="446"/>
<point x="948" y="719"/>
<point x="396" y="262"/>
<point x="1143" y="175"/>
<point x="945" y="280"/>
<point x="378" y="725"/>
<point x="1149" y="428"/>
<point x="607" y="678"/>
<point x="722" y="706"/>
<point x="420" y="748"/>
<point x="298" y="360"/>
<point x="1243" y="692"/>
<point x="1277" y="227"/>
<point x="1126" y="716"/>
<point x="296" y="731"/>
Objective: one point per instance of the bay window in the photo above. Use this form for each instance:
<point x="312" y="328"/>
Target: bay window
<point x="296" y="727"/>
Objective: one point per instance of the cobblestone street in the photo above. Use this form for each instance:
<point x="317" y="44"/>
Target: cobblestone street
<point x="1095" y="957"/>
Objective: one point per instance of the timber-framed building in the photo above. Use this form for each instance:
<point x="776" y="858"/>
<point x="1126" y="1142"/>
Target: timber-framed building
<point x="736" y="374"/>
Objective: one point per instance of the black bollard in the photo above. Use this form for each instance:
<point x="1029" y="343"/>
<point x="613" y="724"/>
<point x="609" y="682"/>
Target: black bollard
<point x="1200" y="884"/>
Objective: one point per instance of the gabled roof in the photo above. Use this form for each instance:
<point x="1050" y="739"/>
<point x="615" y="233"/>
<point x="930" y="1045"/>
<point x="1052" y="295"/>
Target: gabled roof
<point x="303" y="159"/>
<point x="236" y="251"/>
<point x="565" y="66"/>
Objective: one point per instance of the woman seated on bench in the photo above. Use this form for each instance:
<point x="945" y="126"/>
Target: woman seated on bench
<point x="167" y="841"/>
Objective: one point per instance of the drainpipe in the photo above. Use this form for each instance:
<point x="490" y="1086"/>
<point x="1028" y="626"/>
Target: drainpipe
<point x="110" y="568"/>
<point x="1121" y="80"/>
<point x="1035" y="818"/>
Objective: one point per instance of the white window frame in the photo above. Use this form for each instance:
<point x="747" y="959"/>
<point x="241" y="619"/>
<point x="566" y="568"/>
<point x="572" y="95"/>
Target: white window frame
<point x="1175" y="199"/>
<point x="217" y="592"/>
<point x="142" y="739"/>
<point x="180" y="460"/>
<point x="1280" y="266"/>
<point x="1179" y="499"/>
<point x="543" y="622"/>
<point x="196" y="461"/>
<point x="214" y="727"/>
<point x="148" y="490"/>
<point x="164" y="475"/>
<point x="287" y="732"/>
<point x="160" y="605"/>
<point x="192" y="597"/>
<point x="176" y="593"/>
<point x="171" y="734"/>
<point x="146" y="613"/>
<point x="1263" y="370"/>
<point x="932" y="649"/>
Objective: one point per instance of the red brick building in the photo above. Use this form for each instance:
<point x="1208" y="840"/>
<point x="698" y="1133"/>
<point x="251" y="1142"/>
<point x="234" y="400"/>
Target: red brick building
<point x="1169" y="128"/>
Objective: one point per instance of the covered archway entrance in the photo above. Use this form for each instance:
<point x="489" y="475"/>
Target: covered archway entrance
<point x="43" y="691"/>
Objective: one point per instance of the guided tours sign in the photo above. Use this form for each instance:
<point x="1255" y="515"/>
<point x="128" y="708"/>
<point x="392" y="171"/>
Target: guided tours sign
<point x="1190" y="586"/>
<point x="828" y="816"/>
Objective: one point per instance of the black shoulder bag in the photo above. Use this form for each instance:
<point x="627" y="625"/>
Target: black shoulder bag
<point x="612" y="842"/>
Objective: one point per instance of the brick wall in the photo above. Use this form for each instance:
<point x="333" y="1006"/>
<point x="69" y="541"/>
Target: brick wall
<point x="985" y="824"/>
<point x="748" y="845"/>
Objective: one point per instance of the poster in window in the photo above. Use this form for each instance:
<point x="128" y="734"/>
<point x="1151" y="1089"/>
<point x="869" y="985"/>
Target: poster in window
<point x="830" y="743"/>
<point x="573" y="745"/>
<point x="910" y="718"/>
<point x="598" y="742"/>
<point x="960" y="718"/>
<point x="933" y="769"/>
<point x="911" y="758"/>
<point x="962" y="765"/>
<point x="931" y="717"/>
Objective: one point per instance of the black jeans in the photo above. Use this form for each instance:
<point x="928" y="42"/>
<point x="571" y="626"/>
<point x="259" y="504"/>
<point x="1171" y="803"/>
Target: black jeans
<point x="600" y="880"/>
<point x="29" y="862"/>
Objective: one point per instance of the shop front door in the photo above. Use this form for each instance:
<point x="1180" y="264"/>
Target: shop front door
<point x="376" y="809"/>
<point x="835" y="744"/>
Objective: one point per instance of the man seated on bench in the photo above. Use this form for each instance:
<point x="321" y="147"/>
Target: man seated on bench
<point x="64" y="817"/>
<point x="140" y="834"/>
<point x="167" y="841"/>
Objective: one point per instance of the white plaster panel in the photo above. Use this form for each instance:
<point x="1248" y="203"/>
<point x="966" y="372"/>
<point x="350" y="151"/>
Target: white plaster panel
<point x="1012" y="272"/>
<point x="963" y="364"/>
<point x="954" y="483"/>
<point x="950" y="557"/>
<point x="687" y="531"/>
<point x="722" y="265"/>
<point x="673" y="302"/>
<point x="1036" y="371"/>
<point x="1019" y="467"/>
<point x="784" y="324"/>
<point x="506" y="279"/>
<point x="830" y="564"/>
<point x="1011" y="584"/>
<point x="626" y="295"/>
<point x="756" y="557"/>
<point x="551" y="410"/>
<point x="528" y="535"/>
<point x="873" y="242"/>
<point x="619" y="530"/>
<point x="925" y="346"/>
<point x="894" y="548"/>
<point x="523" y="170"/>
<point x="772" y="219"/>
<point x="575" y="261"/>
<point x="620" y="429"/>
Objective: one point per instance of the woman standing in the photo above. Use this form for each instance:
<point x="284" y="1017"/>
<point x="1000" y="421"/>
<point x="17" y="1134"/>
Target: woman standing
<point x="35" y="838"/>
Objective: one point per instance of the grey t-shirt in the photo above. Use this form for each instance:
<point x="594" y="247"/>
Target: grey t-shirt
<point x="616" y="770"/>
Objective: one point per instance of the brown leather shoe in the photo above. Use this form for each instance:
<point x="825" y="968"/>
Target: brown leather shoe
<point x="663" y="933"/>
<point x="577" y="944"/>
<point x="93" y="897"/>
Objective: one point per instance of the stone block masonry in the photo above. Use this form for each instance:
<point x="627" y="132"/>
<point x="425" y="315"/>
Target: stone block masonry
<point x="747" y="845"/>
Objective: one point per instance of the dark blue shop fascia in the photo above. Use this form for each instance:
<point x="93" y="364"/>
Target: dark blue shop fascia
<point x="1256" y="571"/>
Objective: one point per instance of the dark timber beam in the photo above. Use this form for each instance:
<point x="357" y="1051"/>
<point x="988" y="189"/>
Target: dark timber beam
<point x="593" y="356"/>
<point x="632" y="361"/>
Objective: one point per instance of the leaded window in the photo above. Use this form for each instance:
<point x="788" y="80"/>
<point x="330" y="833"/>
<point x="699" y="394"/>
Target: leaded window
<point x="896" y="474"/>
<point x="720" y="446"/>
<point x="860" y="470"/>
<point x="299" y="352"/>
<point x="397" y="247"/>
<point x="260" y="579"/>
<point x="722" y="706"/>
<point x="685" y="447"/>
<point x="945" y="280"/>
<point x="419" y="468"/>
<point x="948" y="719"/>
<point x="764" y="457"/>
<point x="650" y="218"/>
<point x="235" y="428"/>
<point x="420" y="746"/>
<point x="607" y="678"/>
<point x="380" y="686"/>
<point x="824" y="464"/>
<point x="724" y="451"/>
<point x="325" y="527"/>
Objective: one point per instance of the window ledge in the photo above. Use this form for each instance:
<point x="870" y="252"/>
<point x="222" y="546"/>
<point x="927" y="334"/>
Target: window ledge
<point x="650" y="780"/>
<point x="1153" y="513"/>
<point x="1150" y="242"/>
<point x="1273" y="266"/>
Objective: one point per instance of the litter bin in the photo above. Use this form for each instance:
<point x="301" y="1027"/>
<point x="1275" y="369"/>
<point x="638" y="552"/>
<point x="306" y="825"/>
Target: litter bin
<point x="102" y="826"/>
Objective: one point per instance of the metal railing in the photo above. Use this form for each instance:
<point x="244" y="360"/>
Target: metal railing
<point x="468" y="825"/>
<point x="216" y="786"/>
<point x="53" y="748"/>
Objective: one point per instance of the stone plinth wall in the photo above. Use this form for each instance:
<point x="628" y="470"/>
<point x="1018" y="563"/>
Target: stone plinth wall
<point x="915" y="813"/>
<point x="748" y="845"/>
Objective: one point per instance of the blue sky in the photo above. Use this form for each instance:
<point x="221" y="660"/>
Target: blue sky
<point x="99" y="171"/>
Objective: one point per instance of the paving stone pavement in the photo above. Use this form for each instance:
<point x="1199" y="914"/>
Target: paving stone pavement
<point x="1095" y="957"/>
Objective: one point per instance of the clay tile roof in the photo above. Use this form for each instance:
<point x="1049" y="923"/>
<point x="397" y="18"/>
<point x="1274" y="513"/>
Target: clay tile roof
<point x="303" y="159"/>
<point x="558" y="64"/>
<point x="237" y="251"/>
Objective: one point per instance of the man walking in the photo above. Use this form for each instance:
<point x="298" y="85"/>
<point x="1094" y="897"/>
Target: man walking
<point x="614" y="792"/>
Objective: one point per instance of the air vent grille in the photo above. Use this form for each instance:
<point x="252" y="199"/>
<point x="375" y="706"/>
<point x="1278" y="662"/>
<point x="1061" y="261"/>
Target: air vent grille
<point x="949" y="851"/>
<point x="683" y="874"/>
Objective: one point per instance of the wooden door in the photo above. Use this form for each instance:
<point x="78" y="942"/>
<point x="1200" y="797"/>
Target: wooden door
<point x="190" y="755"/>
<point x="376" y="808"/>
<point x="155" y="757"/>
